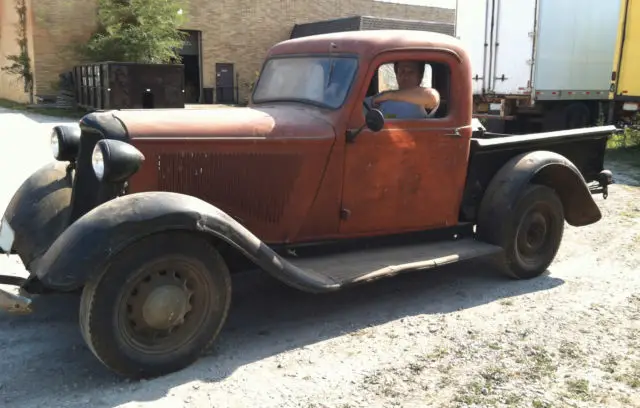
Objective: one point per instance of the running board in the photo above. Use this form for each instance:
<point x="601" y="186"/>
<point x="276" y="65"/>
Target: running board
<point x="355" y="267"/>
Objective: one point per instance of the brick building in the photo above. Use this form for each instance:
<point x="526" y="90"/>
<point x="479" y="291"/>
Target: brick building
<point x="228" y="38"/>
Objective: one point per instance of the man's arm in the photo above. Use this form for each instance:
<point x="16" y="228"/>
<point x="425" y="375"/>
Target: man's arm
<point x="427" y="97"/>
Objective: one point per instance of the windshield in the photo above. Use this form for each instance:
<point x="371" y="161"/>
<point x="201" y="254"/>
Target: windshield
<point x="323" y="81"/>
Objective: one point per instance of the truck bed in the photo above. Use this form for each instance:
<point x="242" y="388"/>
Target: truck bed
<point x="585" y="148"/>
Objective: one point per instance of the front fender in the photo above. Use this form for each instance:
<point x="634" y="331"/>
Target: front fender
<point x="39" y="211"/>
<point x="88" y="244"/>
<point x="546" y="168"/>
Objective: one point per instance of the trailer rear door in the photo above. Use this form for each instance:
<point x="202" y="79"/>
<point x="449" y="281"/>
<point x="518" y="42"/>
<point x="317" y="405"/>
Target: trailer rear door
<point x="513" y="38"/>
<point x="498" y="35"/>
<point x="473" y="21"/>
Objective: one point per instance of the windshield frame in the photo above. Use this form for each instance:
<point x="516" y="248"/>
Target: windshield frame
<point x="304" y="101"/>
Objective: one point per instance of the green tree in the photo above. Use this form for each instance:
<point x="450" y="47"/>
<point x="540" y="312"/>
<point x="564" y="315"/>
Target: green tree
<point x="145" y="31"/>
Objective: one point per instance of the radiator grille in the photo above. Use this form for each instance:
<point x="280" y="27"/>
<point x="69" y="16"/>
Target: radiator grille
<point x="249" y="186"/>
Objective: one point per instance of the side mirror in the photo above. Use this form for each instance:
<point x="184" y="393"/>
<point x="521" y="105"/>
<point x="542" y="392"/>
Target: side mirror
<point x="374" y="120"/>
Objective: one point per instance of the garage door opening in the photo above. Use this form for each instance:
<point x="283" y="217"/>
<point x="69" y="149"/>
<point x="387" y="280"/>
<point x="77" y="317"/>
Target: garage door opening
<point x="190" y="58"/>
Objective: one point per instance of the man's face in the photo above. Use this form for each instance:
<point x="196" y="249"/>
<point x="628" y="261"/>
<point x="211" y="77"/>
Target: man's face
<point x="408" y="74"/>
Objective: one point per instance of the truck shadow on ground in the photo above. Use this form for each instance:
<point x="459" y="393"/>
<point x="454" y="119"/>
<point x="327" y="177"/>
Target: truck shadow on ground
<point x="266" y="318"/>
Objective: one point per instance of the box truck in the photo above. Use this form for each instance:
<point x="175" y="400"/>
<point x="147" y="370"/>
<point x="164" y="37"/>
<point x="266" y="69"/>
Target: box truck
<point x="625" y="76"/>
<point x="542" y="64"/>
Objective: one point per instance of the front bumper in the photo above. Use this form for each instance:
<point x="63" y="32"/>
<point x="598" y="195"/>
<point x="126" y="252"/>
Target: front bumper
<point x="11" y="302"/>
<point x="7" y="236"/>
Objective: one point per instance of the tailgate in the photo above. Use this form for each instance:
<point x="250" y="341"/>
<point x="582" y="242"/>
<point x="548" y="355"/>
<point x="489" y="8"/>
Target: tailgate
<point x="472" y="28"/>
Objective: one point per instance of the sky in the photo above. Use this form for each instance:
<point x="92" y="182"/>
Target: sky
<point x="450" y="4"/>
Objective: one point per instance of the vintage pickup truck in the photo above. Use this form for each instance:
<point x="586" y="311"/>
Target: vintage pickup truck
<point x="149" y="212"/>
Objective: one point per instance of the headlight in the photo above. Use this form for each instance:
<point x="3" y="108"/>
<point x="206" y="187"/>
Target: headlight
<point x="55" y="144"/>
<point x="65" y="142"/>
<point x="114" y="161"/>
<point x="97" y="161"/>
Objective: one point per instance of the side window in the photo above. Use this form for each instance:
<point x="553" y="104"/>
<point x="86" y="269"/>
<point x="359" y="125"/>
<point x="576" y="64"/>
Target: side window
<point x="387" y="77"/>
<point x="436" y="75"/>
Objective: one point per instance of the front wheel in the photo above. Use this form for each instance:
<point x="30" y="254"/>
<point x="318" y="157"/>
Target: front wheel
<point x="158" y="305"/>
<point x="531" y="234"/>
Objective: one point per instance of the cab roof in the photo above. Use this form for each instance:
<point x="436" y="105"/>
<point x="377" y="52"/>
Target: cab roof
<point x="367" y="42"/>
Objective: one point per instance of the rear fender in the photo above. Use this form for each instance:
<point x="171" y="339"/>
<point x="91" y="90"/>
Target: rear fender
<point x="39" y="211"/>
<point x="87" y="246"/>
<point x="540" y="167"/>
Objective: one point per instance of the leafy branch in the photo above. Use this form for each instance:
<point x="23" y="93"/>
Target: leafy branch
<point x="21" y="63"/>
<point x="144" y="31"/>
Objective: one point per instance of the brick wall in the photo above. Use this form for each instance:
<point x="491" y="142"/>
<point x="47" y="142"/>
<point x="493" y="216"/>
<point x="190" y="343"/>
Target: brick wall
<point x="59" y="26"/>
<point x="233" y="31"/>
<point x="11" y="86"/>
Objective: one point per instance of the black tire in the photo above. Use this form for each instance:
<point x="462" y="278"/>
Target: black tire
<point x="530" y="235"/>
<point x="573" y="116"/>
<point x="117" y="313"/>
<point x="577" y="115"/>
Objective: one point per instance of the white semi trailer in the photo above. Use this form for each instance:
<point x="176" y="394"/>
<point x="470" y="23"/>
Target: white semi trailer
<point x="539" y="64"/>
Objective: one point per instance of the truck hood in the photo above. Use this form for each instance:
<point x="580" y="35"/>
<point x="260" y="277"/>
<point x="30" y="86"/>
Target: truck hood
<point x="279" y="122"/>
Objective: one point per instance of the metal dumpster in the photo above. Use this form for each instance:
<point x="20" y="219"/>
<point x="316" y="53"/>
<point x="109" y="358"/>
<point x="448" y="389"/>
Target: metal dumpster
<point x="128" y="85"/>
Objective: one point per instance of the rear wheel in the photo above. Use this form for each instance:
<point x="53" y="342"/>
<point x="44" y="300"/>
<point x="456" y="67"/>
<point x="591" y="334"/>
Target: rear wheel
<point x="158" y="306"/>
<point x="573" y="116"/>
<point x="531" y="234"/>
<point x="577" y="115"/>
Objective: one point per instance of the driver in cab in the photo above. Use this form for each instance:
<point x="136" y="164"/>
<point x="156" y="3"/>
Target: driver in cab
<point x="410" y="100"/>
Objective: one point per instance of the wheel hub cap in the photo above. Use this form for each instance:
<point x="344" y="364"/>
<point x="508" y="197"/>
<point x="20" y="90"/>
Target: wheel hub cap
<point x="536" y="231"/>
<point x="165" y="307"/>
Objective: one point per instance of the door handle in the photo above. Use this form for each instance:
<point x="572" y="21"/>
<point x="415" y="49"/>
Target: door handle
<point x="456" y="131"/>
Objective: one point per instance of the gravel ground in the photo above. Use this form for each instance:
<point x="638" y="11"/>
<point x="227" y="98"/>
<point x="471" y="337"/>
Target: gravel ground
<point x="458" y="336"/>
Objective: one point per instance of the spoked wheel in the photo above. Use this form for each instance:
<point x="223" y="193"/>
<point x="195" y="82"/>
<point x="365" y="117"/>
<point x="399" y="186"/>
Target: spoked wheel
<point x="158" y="306"/>
<point x="531" y="234"/>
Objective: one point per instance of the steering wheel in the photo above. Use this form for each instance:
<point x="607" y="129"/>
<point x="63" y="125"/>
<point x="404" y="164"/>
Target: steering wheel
<point x="431" y="114"/>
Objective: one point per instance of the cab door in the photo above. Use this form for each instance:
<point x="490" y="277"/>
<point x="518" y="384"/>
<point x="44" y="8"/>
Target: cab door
<point x="410" y="175"/>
